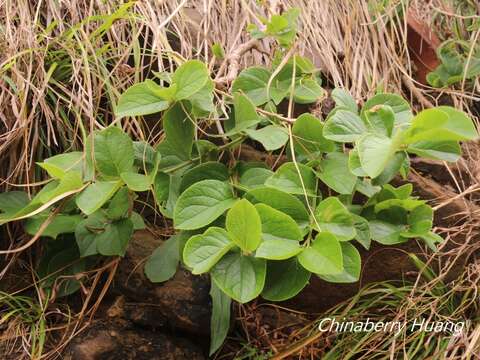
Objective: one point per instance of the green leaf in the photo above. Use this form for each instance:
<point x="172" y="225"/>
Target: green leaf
<point x="374" y="152"/>
<point x="202" y="203"/>
<point x="244" y="226"/>
<point x="202" y="252"/>
<point x="334" y="217"/>
<point x="386" y="233"/>
<point x="114" y="240"/>
<point x="57" y="166"/>
<point x="190" y="78"/>
<point x="95" y="195"/>
<point x="220" y="320"/>
<point x="210" y="170"/>
<point x="217" y="51"/>
<point x="420" y="221"/>
<point x="445" y="150"/>
<point x="354" y="164"/>
<point x="161" y="187"/>
<point x="13" y="201"/>
<point x="308" y="136"/>
<point x="285" y="279"/>
<point x="344" y="126"/>
<point x="253" y="82"/>
<point x="136" y="182"/>
<point x="344" y="100"/>
<point x="352" y="263"/>
<point x="272" y="137"/>
<point x="336" y="174"/>
<point x="119" y="204"/>
<point x="113" y="151"/>
<point x="323" y="256"/>
<point x="255" y="177"/>
<point x="392" y="168"/>
<point x="245" y="113"/>
<point x="141" y="99"/>
<point x="280" y="234"/>
<point x="400" y="107"/>
<point x="163" y="262"/>
<point x="282" y="201"/>
<point x="179" y="130"/>
<point x="362" y="230"/>
<point x="86" y="233"/>
<point x="307" y="90"/>
<point x="380" y="119"/>
<point x="60" y="224"/>
<point x="431" y="239"/>
<point x="240" y="277"/>
<point x="288" y="179"/>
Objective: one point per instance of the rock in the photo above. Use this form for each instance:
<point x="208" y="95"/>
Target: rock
<point x="182" y="303"/>
<point x="105" y="340"/>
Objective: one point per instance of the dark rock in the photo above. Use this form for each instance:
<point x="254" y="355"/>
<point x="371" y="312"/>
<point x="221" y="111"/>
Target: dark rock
<point x="182" y="303"/>
<point x="105" y="340"/>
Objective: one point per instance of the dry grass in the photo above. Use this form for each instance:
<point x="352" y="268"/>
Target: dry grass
<point x="64" y="64"/>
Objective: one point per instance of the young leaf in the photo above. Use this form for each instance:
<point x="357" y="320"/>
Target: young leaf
<point x="287" y="179"/>
<point x="141" y="99"/>
<point x="244" y="226"/>
<point x="285" y="279"/>
<point x="280" y="234"/>
<point x="179" y="130"/>
<point x="190" y="78"/>
<point x="56" y="166"/>
<point x="344" y="126"/>
<point x="202" y="203"/>
<point x="95" y="195"/>
<point x="323" y="256"/>
<point x="240" y="277"/>
<point x="334" y="217"/>
<point x="351" y="266"/>
<point x="344" y="100"/>
<point x="335" y="173"/>
<point x="136" y="182"/>
<point x="220" y="320"/>
<point x="109" y="159"/>
<point x="375" y="151"/>
<point x="354" y="164"/>
<point x="380" y="119"/>
<point x="400" y="107"/>
<point x="272" y="137"/>
<point x="202" y="252"/>
<point x="308" y="136"/>
<point x="163" y="262"/>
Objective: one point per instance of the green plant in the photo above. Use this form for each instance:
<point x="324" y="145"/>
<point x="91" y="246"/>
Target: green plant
<point x="254" y="230"/>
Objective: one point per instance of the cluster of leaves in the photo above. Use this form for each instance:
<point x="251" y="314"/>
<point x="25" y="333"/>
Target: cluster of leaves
<point x="458" y="62"/>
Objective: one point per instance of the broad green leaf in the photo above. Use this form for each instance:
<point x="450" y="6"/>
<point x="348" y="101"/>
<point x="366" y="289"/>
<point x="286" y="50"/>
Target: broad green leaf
<point x="210" y="170"/>
<point x="202" y="252"/>
<point x="280" y="234"/>
<point x="244" y="226"/>
<point x="323" y="256"/>
<point x="202" y="101"/>
<point x="220" y="320"/>
<point x="445" y="150"/>
<point x="354" y="164"/>
<point x="60" y="224"/>
<point x="190" y="78"/>
<point x="420" y="221"/>
<point x="13" y="201"/>
<point x="307" y="91"/>
<point x="362" y="230"/>
<point x="344" y="126"/>
<point x="145" y="157"/>
<point x="253" y="82"/>
<point x="201" y="204"/>
<point x="335" y="173"/>
<point x="374" y="152"/>
<point x="95" y="195"/>
<point x="136" y="182"/>
<point x="332" y="216"/>
<point x="137" y="220"/>
<point x="255" y="177"/>
<point x="308" y="136"/>
<point x="141" y="99"/>
<point x="240" y="277"/>
<point x="287" y="178"/>
<point x="113" y="151"/>
<point x="386" y="233"/>
<point x="163" y="262"/>
<point x="366" y="188"/>
<point x="114" y="240"/>
<point x="173" y="194"/>
<point x="56" y="166"/>
<point x="352" y="263"/>
<point x="272" y="137"/>
<point x="380" y="119"/>
<point x="70" y="182"/>
<point x="161" y="187"/>
<point x="119" y="204"/>
<point x="245" y="113"/>
<point x="282" y="201"/>
<point x="392" y="168"/>
<point x="86" y="233"/>
<point x="179" y="130"/>
<point x="285" y="279"/>
<point x="343" y="99"/>
<point x="400" y="107"/>
<point x="431" y="239"/>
